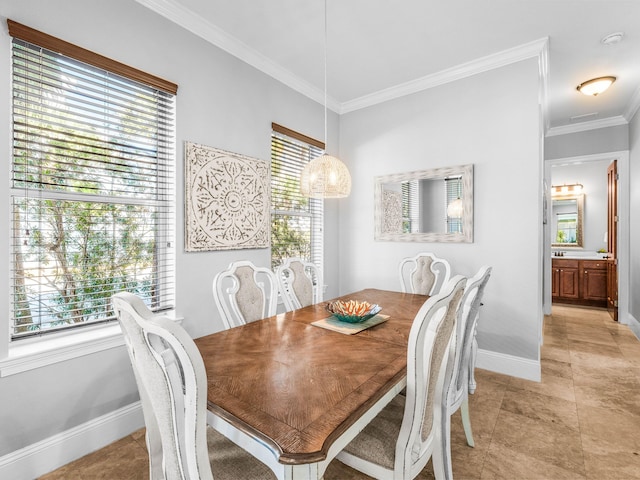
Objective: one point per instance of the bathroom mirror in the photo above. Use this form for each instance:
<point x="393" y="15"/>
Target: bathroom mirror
<point x="434" y="205"/>
<point x="567" y="220"/>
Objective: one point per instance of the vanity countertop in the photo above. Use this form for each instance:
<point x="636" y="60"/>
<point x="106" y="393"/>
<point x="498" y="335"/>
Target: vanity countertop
<point x="574" y="256"/>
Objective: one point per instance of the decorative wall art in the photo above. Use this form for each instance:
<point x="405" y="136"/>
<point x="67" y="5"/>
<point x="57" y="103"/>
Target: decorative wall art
<point x="227" y="199"/>
<point x="391" y="212"/>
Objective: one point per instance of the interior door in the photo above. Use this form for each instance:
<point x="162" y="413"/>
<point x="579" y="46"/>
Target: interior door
<point x="612" y="239"/>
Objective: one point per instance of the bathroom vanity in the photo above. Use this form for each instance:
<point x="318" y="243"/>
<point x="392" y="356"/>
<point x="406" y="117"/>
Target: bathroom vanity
<point x="579" y="281"/>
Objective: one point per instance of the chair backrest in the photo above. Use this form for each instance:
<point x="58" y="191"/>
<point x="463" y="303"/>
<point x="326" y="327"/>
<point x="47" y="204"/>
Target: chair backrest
<point x="172" y="382"/>
<point x="427" y="357"/>
<point x="425" y="274"/>
<point x="300" y="283"/>
<point x="245" y="293"/>
<point x="465" y="330"/>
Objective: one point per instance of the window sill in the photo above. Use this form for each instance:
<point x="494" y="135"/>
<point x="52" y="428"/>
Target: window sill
<point x="29" y="354"/>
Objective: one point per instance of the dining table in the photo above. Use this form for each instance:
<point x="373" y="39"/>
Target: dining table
<point x="294" y="393"/>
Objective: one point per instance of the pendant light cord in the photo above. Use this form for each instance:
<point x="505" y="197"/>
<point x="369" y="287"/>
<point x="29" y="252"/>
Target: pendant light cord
<point x="325" y="75"/>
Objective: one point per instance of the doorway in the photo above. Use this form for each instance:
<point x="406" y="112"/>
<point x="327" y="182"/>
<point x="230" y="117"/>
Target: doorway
<point x="597" y="232"/>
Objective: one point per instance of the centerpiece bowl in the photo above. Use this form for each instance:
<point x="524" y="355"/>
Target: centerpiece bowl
<point x="353" y="311"/>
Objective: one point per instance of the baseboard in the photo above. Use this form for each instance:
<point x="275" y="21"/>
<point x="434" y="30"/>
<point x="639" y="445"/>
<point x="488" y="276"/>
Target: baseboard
<point x="634" y="325"/>
<point x="509" y="365"/>
<point x="52" y="453"/>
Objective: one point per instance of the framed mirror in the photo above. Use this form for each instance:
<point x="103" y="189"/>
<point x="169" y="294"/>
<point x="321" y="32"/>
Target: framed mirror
<point x="434" y="205"/>
<point x="567" y="220"/>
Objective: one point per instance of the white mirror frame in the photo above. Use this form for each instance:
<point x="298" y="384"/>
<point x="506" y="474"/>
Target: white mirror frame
<point x="467" y="200"/>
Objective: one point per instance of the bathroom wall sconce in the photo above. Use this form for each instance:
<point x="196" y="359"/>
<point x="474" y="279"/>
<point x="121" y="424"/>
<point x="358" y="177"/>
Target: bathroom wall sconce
<point x="572" y="189"/>
<point x="595" y="86"/>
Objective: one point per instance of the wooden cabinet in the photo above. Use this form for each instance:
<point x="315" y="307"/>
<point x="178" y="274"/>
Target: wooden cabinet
<point x="566" y="282"/>
<point x="594" y="280"/>
<point x="580" y="282"/>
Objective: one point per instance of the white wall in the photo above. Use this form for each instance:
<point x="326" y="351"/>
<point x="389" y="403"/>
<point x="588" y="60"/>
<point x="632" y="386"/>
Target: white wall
<point x="492" y="121"/>
<point x="593" y="177"/>
<point x="221" y="102"/>
<point x="601" y="140"/>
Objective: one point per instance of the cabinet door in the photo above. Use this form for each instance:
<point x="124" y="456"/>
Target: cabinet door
<point x="594" y="284"/>
<point x="555" y="282"/>
<point x="569" y="283"/>
<point x="612" y="289"/>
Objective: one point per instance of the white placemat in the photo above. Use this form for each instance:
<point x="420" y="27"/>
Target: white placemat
<point x="332" y="323"/>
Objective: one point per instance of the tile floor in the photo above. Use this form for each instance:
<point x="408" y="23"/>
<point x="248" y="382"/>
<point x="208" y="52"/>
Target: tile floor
<point x="581" y="422"/>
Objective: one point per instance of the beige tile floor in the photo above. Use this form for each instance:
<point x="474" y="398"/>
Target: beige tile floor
<point x="581" y="422"/>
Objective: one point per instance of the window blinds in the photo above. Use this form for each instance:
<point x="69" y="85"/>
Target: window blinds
<point x="296" y="221"/>
<point x="93" y="191"/>
<point x="453" y="192"/>
<point x="410" y="207"/>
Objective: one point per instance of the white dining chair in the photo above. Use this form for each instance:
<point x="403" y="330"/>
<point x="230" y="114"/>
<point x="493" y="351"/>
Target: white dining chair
<point x="300" y="283"/>
<point x="399" y="441"/>
<point x="245" y="293"/>
<point x="172" y="383"/>
<point x="457" y="394"/>
<point x="424" y="273"/>
<point x="473" y="355"/>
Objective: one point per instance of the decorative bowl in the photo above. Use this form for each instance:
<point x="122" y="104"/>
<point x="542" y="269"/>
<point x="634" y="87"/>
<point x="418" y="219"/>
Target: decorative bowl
<point x="352" y="311"/>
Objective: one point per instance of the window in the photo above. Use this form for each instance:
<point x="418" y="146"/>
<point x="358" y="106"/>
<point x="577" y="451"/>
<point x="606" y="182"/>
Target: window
<point x="567" y="228"/>
<point x="454" y="193"/>
<point x="410" y="207"/>
<point x="296" y="221"/>
<point x="92" y="185"/>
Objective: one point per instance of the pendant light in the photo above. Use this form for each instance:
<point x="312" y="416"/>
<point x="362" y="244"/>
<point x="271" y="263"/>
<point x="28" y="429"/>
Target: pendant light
<point x="456" y="208"/>
<point x="325" y="176"/>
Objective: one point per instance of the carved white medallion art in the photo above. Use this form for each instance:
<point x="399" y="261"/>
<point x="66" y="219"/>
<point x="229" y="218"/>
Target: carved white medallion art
<point x="227" y="199"/>
<point x="391" y="212"/>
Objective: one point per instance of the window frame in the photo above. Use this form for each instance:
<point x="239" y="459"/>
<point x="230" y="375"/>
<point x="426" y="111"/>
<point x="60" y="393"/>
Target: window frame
<point x="316" y="210"/>
<point x="20" y="355"/>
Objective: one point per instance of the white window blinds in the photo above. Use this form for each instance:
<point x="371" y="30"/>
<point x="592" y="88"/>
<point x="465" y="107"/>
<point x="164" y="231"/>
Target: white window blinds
<point x="410" y="207"/>
<point x="296" y="221"/>
<point x="453" y="193"/>
<point x="92" y="190"/>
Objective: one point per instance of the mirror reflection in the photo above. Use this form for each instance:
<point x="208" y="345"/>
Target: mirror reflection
<point x="429" y="205"/>
<point x="568" y="220"/>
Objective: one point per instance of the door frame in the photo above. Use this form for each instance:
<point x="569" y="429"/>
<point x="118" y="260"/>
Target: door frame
<point x="623" y="227"/>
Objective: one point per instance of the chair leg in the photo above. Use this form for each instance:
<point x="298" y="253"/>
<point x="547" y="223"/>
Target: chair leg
<point x="445" y="442"/>
<point x="466" y="421"/>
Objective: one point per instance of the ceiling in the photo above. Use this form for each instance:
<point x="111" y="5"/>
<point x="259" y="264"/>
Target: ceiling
<point x="379" y="49"/>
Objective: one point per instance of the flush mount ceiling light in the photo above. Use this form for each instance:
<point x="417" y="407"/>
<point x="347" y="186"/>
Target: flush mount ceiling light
<point x="612" y="38"/>
<point x="325" y="176"/>
<point x="595" y="86"/>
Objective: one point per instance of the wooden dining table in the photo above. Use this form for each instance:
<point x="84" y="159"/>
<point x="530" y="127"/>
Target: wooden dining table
<point x="295" y="394"/>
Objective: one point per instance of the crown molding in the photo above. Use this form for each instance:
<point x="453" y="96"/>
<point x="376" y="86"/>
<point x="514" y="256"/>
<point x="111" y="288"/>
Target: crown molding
<point x="633" y="106"/>
<point x="483" y="64"/>
<point x="585" y="126"/>
<point x="194" y="23"/>
<point x="211" y="33"/>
